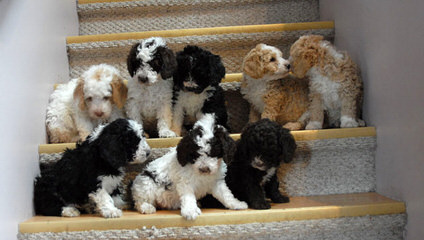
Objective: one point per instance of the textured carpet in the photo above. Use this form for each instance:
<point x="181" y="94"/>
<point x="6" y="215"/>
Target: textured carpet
<point x="383" y="227"/>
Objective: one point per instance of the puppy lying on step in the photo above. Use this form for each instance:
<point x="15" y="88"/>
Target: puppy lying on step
<point x="194" y="168"/>
<point x="269" y="89"/>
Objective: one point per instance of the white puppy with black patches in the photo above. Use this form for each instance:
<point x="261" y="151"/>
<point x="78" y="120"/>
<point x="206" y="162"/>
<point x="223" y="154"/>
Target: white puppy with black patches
<point x="194" y="168"/>
<point x="151" y="65"/>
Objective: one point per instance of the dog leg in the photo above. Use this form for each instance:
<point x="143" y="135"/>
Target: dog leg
<point x="223" y="194"/>
<point x="84" y="127"/>
<point x="348" y="112"/>
<point x="164" y="122"/>
<point x="256" y="196"/>
<point x="189" y="208"/>
<point x="132" y="111"/>
<point x="272" y="191"/>
<point x="177" y="119"/>
<point x="316" y="112"/>
<point x="105" y="204"/>
<point x="143" y="193"/>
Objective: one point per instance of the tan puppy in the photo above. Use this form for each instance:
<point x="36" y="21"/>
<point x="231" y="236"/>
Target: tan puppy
<point x="335" y="83"/>
<point x="270" y="91"/>
<point x="77" y="107"/>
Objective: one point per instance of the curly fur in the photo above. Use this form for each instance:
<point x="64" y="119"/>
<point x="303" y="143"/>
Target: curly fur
<point x="77" y="107"/>
<point x="270" y="91"/>
<point x="251" y="176"/>
<point x="151" y="65"/>
<point x="194" y="168"/>
<point x="335" y="82"/>
<point x="92" y="172"/>
<point x="196" y="88"/>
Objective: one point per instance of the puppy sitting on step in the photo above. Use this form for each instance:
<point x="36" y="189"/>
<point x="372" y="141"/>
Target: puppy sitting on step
<point x="92" y="172"/>
<point x="194" y="168"/>
<point x="270" y="91"/>
<point x="335" y="83"/>
<point x="77" y="107"/>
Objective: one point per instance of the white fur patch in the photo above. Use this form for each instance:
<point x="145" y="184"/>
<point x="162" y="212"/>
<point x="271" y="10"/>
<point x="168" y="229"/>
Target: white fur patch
<point x="109" y="182"/>
<point x="148" y="47"/>
<point x="258" y="164"/>
<point x="348" y="122"/>
<point x="313" y="125"/>
<point x="269" y="173"/>
<point x="70" y="211"/>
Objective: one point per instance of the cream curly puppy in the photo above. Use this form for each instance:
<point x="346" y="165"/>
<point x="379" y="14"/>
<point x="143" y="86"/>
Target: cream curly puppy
<point x="77" y="107"/>
<point x="335" y="82"/>
<point x="269" y="89"/>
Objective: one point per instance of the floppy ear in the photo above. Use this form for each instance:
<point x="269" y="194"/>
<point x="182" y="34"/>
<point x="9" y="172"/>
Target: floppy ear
<point x="169" y="62"/>
<point x="227" y="144"/>
<point x="132" y="61"/>
<point x="187" y="147"/>
<point x="119" y="91"/>
<point x="252" y="64"/>
<point x="79" y="94"/>
<point x="288" y="145"/>
<point x="217" y="68"/>
<point x="112" y="150"/>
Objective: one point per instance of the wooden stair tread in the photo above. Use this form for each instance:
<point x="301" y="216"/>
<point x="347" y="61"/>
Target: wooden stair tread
<point x="201" y="31"/>
<point x="300" y="208"/>
<point x="303" y="135"/>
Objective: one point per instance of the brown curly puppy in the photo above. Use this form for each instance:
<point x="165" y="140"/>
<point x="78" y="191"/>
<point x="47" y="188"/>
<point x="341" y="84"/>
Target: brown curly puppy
<point x="335" y="83"/>
<point x="269" y="89"/>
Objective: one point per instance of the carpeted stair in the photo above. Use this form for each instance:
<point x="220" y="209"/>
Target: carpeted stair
<point x="332" y="180"/>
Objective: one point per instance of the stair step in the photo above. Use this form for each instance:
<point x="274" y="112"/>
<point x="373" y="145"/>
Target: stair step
<point x="100" y="17"/>
<point x="231" y="43"/>
<point x="330" y="161"/>
<point x="299" y="209"/>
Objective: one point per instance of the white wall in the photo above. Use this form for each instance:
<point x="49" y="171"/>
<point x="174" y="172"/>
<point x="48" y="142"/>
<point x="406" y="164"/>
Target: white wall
<point x="32" y="58"/>
<point x="385" y="37"/>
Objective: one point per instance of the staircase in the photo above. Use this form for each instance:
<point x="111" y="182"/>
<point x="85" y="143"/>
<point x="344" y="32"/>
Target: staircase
<point x="332" y="180"/>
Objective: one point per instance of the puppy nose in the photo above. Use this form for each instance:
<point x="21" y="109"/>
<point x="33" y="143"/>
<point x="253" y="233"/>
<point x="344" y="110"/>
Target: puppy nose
<point x="204" y="170"/>
<point x="142" y="79"/>
<point x="147" y="153"/>
<point x="288" y="66"/>
<point x="98" y="113"/>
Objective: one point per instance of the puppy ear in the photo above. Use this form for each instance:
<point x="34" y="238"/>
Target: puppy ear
<point x="132" y="61"/>
<point x="252" y="64"/>
<point x="112" y="150"/>
<point x="119" y="91"/>
<point x="187" y="149"/>
<point x="226" y="143"/>
<point x="79" y="94"/>
<point x="288" y="145"/>
<point x="169" y="62"/>
<point x="217" y="69"/>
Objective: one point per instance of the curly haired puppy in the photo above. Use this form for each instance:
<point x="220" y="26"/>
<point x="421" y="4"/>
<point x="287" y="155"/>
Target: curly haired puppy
<point x="196" y="88"/>
<point x="194" y="168"/>
<point x="270" y="91"/>
<point x="335" y="82"/>
<point x="151" y="65"/>
<point x="93" y="171"/>
<point x="251" y="175"/>
<point x="77" y="107"/>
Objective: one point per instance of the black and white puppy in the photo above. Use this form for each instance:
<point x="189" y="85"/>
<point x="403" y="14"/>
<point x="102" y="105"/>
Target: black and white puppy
<point x="92" y="172"/>
<point x="194" y="168"/>
<point x="151" y="65"/>
<point x="251" y="176"/>
<point x="196" y="88"/>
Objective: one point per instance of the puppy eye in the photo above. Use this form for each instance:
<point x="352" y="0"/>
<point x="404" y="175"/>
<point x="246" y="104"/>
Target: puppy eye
<point x="106" y="98"/>
<point x="89" y="99"/>
<point x="272" y="59"/>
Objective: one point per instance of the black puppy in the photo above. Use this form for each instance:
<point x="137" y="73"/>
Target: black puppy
<point x="93" y="171"/>
<point x="251" y="176"/>
<point x="196" y="88"/>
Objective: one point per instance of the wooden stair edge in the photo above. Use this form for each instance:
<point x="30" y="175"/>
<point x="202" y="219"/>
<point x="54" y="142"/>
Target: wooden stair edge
<point x="201" y="31"/>
<point x="302" y="135"/>
<point x="299" y="208"/>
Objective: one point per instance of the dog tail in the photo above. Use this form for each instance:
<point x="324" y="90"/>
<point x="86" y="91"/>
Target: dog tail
<point x="46" y="202"/>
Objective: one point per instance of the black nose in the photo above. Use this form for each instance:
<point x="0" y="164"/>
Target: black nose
<point x="288" y="66"/>
<point x="142" y="79"/>
<point x="147" y="153"/>
<point x="204" y="170"/>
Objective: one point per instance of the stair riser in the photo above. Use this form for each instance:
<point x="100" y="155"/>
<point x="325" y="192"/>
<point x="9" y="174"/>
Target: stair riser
<point x="231" y="47"/>
<point x="383" y="227"/>
<point x="138" y="16"/>
<point x="327" y="166"/>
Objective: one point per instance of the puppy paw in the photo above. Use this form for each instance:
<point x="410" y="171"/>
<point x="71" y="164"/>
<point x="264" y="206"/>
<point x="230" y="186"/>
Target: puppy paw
<point x="166" y="133"/>
<point x="313" y="125"/>
<point x="146" y="208"/>
<point x="260" y="205"/>
<point x="70" y="212"/>
<point x="280" y="199"/>
<point x="238" y="205"/>
<point x="190" y="213"/>
<point x="348" y="122"/>
<point x="111" y="213"/>
<point x="293" y="126"/>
